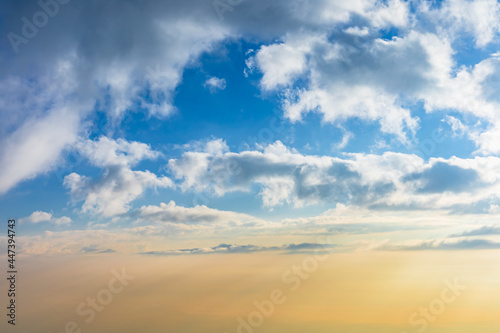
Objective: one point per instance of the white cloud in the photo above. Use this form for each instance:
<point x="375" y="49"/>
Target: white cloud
<point x="40" y="216"/>
<point x="353" y="79"/>
<point x="106" y="152"/>
<point x="120" y="185"/>
<point x="376" y="14"/>
<point x="478" y="18"/>
<point x="62" y="220"/>
<point x="112" y="194"/>
<point x="198" y="221"/>
<point x="349" y="72"/>
<point x="356" y="74"/>
<point x="357" y="31"/>
<point x="36" y="146"/>
<point x="393" y="13"/>
<point x="287" y="177"/>
<point x="196" y="215"/>
<point x="472" y="91"/>
<point x="214" y="84"/>
<point x="197" y="229"/>
<point x="38" y="122"/>
<point x="458" y="128"/>
<point x="282" y="63"/>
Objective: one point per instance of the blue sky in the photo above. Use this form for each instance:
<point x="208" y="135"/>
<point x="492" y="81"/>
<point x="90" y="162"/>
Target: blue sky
<point x="172" y="120"/>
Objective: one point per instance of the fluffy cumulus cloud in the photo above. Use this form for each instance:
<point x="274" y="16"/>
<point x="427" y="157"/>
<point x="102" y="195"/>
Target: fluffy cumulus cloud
<point x="357" y="72"/>
<point x="347" y="77"/>
<point x="119" y="185"/>
<point x="39" y="216"/>
<point x="285" y="176"/>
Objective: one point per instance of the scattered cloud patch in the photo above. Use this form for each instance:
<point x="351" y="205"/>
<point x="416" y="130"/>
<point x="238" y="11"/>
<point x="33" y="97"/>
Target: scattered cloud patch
<point x="119" y="185"/>
<point x="40" y="216"/>
<point x="215" y="84"/>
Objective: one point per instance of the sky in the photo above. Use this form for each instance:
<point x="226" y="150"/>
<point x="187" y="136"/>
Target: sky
<point x="226" y="129"/>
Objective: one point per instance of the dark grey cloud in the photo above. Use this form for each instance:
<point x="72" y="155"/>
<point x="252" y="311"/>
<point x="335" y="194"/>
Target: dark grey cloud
<point x="397" y="67"/>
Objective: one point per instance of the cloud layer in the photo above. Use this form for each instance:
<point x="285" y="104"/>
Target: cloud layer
<point x="285" y="176"/>
<point x="334" y="58"/>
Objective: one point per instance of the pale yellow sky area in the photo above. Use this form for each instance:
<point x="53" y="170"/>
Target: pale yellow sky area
<point x="349" y="293"/>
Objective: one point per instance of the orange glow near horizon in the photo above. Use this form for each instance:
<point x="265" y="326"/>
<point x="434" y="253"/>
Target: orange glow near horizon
<point x="355" y="292"/>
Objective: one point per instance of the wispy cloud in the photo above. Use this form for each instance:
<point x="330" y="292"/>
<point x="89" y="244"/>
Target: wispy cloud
<point x="215" y="84"/>
<point x="234" y="248"/>
<point x="483" y="231"/>
<point x="94" y="249"/>
<point x="466" y="244"/>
